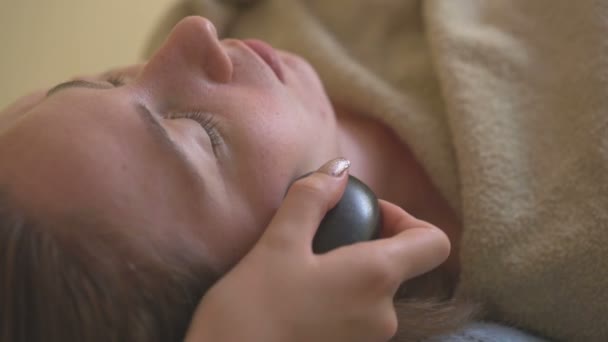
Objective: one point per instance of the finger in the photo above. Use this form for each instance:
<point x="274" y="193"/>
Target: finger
<point x="306" y="203"/>
<point x="414" y="251"/>
<point x="395" y="219"/>
<point x="388" y="262"/>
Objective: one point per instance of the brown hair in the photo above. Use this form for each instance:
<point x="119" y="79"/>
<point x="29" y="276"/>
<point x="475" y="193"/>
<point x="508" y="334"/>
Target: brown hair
<point x="80" y="278"/>
<point x="426" y="307"/>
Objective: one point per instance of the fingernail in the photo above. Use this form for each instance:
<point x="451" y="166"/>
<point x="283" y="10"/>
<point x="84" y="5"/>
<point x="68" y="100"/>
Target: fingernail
<point x="335" y="167"/>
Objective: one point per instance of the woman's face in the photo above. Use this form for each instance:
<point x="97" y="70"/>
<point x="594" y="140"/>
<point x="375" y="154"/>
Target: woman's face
<point x="205" y="138"/>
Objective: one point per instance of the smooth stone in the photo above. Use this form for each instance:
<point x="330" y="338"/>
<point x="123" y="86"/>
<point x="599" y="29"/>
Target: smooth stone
<point x="355" y="218"/>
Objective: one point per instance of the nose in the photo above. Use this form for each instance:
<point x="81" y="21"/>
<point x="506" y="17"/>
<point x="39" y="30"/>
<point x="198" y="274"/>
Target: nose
<point x="192" y="49"/>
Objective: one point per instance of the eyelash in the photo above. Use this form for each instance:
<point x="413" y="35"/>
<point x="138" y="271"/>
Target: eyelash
<point x="116" y="80"/>
<point x="206" y="121"/>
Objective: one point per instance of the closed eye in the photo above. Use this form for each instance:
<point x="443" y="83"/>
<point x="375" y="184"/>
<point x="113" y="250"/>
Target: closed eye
<point x="117" y="80"/>
<point x="207" y="122"/>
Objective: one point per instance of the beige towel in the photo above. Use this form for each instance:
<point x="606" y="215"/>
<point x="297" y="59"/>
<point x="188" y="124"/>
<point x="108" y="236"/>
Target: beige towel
<point x="505" y="103"/>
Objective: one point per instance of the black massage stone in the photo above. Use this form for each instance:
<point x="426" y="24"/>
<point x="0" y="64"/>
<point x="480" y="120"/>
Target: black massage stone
<point x="355" y="218"/>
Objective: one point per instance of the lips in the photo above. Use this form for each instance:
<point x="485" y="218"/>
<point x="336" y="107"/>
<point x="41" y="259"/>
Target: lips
<point x="268" y="54"/>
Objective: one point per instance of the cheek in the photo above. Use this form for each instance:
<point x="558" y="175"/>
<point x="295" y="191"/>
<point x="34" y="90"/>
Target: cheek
<point x="231" y="235"/>
<point x="278" y="149"/>
<point x="282" y="144"/>
<point x="266" y="174"/>
<point x="273" y="130"/>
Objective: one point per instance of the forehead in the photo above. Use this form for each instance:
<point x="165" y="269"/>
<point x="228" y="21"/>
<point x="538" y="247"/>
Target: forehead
<point x="76" y="147"/>
<point x="16" y="109"/>
<point x="26" y="102"/>
<point x="74" y="114"/>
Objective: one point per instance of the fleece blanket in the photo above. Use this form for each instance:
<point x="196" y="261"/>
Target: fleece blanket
<point x="505" y="104"/>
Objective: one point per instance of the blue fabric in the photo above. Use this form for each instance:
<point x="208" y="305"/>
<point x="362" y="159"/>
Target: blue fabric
<point x="488" y="332"/>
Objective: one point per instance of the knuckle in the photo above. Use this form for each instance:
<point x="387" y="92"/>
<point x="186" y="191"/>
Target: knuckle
<point x="389" y="325"/>
<point x="276" y="242"/>
<point x="382" y="272"/>
<point x="382" y="322"/>
<point x="311" y="187"/>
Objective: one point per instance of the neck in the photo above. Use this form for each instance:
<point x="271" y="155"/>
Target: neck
<point x="382" y="161"/>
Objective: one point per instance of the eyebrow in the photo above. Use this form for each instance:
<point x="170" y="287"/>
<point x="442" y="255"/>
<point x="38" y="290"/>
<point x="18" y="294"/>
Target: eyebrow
<point x="150" y="120"/>
<point x="77" y="84"/>
<point x="154" y="127"/>
<point x="160" y="133"/>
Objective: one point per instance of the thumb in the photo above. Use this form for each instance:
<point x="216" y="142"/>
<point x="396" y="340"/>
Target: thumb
<point x="306" y="203"/>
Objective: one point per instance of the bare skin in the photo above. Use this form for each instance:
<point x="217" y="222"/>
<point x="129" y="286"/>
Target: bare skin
<point x="274" y="127"/>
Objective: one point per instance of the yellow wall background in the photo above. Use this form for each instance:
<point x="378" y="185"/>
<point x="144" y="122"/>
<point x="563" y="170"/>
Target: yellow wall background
<point x="43" y="42"/>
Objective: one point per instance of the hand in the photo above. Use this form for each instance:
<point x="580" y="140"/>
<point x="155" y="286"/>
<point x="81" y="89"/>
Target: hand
<point x="282" y="291"/>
